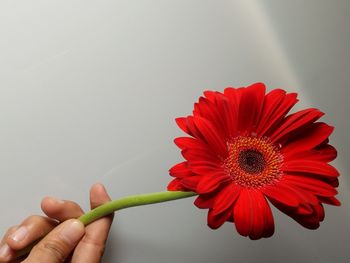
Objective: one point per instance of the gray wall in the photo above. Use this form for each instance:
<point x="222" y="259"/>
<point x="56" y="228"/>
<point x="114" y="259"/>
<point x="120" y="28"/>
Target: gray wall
<point x="89" y="91"/>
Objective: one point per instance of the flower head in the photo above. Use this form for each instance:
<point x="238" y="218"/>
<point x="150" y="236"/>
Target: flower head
<point x="243" y="151"/>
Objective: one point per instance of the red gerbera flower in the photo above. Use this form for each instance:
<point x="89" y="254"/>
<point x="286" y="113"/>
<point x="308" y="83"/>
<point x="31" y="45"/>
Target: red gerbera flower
<point x="243" y="150"/>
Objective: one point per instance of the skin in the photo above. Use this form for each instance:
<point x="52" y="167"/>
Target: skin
<point x="68" y="241"/>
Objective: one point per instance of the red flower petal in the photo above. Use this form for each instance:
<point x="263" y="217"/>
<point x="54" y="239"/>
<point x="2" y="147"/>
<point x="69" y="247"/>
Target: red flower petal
<point x="312" y="185"/>
<point x="205" y="201"/>
<point x="211" y="135"/>
<point x="217" y="220"/>
<point x="180" y="170"/>
<point x="320" y="212"/>
<point x="305" y="197"/>
<point x="242" y="213"/>
<point x="225" y="198"/>
<point x="208" y="110"/>
<point x="326" y="153"/>
<point x="281" y="193"/>
<point x="229" y="112"/>
<point x="329" y="200"/>
<point x="187" y="125"/>
<point x="211" y="95"/>
<point x="263" y="221"/>
<point x="233" y="94"/>
<point x="305" y="209"/>
<point x="252" y="215"/>
<point x="190" y="182"/>
<point x="307" y="221"/>
<point x="193" y="129"/>
<point x="190" y="143"/>
<point x="205" y="167"/>
<point x="250" y="106"/>
<point x="210" y="182"/>
<point x="276" y="105"/>
<point x="195" y="155"/>
<point x="181" y="122"/>
<point x="312" y="167"/>
<point x="175" y="185"/>
<point x="295" y="121"/>
<point x="311" y="221"/>
<point x="310" y="138"/>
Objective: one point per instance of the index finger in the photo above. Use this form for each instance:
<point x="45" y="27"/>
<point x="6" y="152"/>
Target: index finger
<point x="91" y="247"/>
<point x="58" y="244"/>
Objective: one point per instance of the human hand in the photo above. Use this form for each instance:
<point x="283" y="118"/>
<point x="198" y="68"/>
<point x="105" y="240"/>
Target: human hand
<point x="65" y="242"/>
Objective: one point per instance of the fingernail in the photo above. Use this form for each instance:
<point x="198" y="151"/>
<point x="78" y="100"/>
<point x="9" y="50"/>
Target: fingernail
<point x="99" y="185"/>
<point x="19" y="234"/>
<point x="5" y="251"/>
<point x="56" y="200"/>
<point x="72" y="231"/>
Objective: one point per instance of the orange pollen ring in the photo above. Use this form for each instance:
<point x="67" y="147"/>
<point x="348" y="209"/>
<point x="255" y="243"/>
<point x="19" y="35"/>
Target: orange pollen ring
<point x="253" y="162"/>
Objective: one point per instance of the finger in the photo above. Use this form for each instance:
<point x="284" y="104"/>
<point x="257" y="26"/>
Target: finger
<point x="98" y="231"/>
<point x="6" y="252"/>
<point x="91" y="247"/>
<point x="8" y="232"/>
<point x="58" y="244"/>
<point x="30" y="230"/>
<point x="60" y="210"/>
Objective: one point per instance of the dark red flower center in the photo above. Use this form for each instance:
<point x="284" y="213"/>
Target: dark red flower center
<point x="253" y="162"/>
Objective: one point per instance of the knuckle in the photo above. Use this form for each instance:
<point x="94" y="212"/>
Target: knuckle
<point x="34" y="222"/>
<point x="75" y="206"/>
<point x="97" y="249"/>
<point x="97" y="246"/>
<point x="33" y="219"/>
<point x="53" y="247"/>
<point x="39" y="224"/>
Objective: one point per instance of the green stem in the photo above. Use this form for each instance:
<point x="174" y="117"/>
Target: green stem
<point x="125" y="202"/>
<point x="130" y="201"/>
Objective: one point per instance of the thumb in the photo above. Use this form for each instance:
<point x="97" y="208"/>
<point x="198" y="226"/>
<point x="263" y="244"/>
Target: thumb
<point x="58" y="244"/>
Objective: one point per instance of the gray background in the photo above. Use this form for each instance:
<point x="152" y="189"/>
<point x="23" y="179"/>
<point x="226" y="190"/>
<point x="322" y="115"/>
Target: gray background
<point x="89" y="91"/>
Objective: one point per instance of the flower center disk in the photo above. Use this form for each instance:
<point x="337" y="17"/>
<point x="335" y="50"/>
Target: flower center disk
<point x="253" y="162"/>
